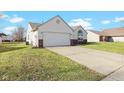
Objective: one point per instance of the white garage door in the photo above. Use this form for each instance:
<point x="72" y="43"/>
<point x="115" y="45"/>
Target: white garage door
<point x="56" y="39"/>
<point x="118" y="39"/>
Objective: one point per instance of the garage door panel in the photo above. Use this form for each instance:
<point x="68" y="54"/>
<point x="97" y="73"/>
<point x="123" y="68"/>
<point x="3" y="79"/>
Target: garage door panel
<point x="118" y="39"/>
<point x="56" y="39"/>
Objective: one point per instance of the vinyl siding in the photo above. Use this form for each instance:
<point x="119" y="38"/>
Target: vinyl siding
<point x="92" y="37"/>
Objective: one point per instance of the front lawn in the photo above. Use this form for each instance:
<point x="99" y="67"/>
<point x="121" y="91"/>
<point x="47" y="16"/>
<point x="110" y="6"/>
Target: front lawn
<point x="116" y="47"/>
<point x="21" y="62"/>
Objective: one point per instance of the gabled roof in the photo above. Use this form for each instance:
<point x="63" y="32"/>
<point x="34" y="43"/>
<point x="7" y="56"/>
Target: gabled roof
<point x="76" y="27"/>
<point x="35" y="26"/>
<point x="96" y="32"/>
<point x="60" y="18"/>
<point x="114" y="32"/>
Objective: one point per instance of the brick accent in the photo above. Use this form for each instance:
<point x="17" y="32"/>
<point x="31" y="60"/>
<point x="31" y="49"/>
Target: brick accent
<point x="84" y="41"/>
<point x="74" y="42"/>
<point x="40" y="42"/>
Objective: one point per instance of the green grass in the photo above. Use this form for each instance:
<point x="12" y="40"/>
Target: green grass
<point x="21" y="62"/>
<point x="115" y="47"/>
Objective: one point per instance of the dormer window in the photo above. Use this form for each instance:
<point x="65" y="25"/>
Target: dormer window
<point x="80" y="33"/>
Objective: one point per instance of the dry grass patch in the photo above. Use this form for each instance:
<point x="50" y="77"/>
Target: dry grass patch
<point x="21" y="62"/>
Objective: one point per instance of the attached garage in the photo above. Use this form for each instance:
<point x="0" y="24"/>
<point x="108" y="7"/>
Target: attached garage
<point x="56" y="39"/>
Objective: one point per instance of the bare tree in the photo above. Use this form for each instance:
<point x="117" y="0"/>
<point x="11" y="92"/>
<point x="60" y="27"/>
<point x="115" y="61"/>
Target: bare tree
<point x="19" y="34"/>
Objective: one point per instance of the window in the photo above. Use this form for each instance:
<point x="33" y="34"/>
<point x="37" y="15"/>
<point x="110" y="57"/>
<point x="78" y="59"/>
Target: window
<point x="80" y="36"/>
<point x="80" y="33"/>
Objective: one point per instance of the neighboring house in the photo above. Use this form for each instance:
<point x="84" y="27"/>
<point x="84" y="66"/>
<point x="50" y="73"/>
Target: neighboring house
<point x="108" y="35"/>
<point x="7" y="38"/>
<point x="93" y="36"/>
<point x="1" y="35"/>
<point x="113" y="35"/>
<point x="54" y="32"/>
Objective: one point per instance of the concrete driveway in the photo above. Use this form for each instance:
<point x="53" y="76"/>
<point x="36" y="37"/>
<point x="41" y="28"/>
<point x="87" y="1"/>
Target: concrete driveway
<point x="110" y="64"/>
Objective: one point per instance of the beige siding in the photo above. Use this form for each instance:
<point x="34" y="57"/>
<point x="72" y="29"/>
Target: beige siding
<point x="32" y="37"/>
<point x="92" y="37"/>
<point x="35" y="39"/>
<point x="54" y="27"/>
<point x="74" y="35"/>
<point x="28" y="34"/>
<point x="84" y="33"/>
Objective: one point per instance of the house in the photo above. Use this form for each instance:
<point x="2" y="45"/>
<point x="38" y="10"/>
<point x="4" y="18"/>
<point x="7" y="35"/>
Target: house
<point x="7" y="38"/>
<point x="113" y="35"/>
<point x="1" y="34"/>
<point x="108" y="35"/>
<point x="93" y="36"/>
<point x="54" y="32"/>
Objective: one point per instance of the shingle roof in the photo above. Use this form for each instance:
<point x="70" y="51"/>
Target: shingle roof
<point x="34" y="25"/>
<point x="75" y="27"/>
<point x="96" y="32"/>
<point x="114" y="32"/>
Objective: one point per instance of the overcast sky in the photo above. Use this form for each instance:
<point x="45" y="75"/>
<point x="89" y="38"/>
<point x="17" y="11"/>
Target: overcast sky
<point x="89" y="20"/>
